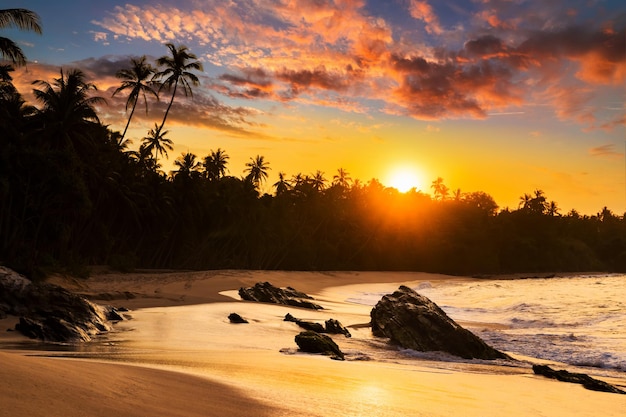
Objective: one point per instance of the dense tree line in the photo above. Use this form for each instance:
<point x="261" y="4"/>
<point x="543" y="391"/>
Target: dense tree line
<point x="73" y="194"/>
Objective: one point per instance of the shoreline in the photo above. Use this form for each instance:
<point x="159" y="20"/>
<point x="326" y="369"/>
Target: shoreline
<point x="440" y="388"/>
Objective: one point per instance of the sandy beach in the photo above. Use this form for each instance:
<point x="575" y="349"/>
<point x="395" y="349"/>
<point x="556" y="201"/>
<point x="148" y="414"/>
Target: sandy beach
<point x="169" y="368"/>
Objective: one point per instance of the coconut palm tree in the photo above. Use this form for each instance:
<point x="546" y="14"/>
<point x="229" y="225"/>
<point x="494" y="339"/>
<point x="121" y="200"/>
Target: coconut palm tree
<point x="440" y="190"/>
<point x="22" y="19"/>
<point x="282" y="185"/>
<point x="177" y="70"/>
<point x="157" y="142"/>
<point x="137" y="80"/>
<point x="318" y="181"/>
<point x="257" y="170"/>
<point x="342" y="178"/>
<point x="187" y="165"/>
<point x="215" y="164"/>
<point x="68" y="108"/>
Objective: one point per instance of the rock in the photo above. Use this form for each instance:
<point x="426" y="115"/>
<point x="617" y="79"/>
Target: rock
<point x="331" y="326"/>
<point x="265" y="292"/>
<point x="113" y="314"/>
<point x="313" y="342"/>
<point x="335" y="327"/>
<point x="576" y="378"/>
<point x="50" y="312"/>
<point x="413" y="321"/>
<point x="236" y="319"/>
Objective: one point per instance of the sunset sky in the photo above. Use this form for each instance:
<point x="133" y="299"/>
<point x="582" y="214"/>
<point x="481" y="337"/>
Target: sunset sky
<point x="501" y="96"/>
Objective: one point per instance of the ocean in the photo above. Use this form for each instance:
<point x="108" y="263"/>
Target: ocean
<point x="578" y="320"/>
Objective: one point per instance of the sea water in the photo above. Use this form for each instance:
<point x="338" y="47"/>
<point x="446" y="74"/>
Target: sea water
<point x="578" y="320"/>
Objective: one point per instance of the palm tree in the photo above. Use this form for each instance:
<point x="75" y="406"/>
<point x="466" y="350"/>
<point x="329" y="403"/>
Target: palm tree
<point x="136" y="79"/>
<point x="440" y="189"/>
<point x="318" y="181"/>
<point x="282" y="185"/>
<point x="342" y="178"/>
<point x="157" y="142"/>
<point x="525" y="201"/>
<point x="22" y="19"/>
<point x="68" y="107"/>
<point x="187" y="165"/>
<point x="215" y="164"/>
<point x="257" y="170"/>
<point x="553" y="208"/>
<point x="177" y="71"/>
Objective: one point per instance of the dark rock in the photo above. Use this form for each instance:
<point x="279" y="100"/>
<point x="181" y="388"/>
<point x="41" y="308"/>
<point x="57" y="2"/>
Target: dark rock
<point x="331" y="326"/>
<point x="313" y="342"/>
<point x="236" y="318"/>
<point x="50" y="312"/>
<point x="414" y="322"/>
<point x="289" y="317"/>
<point x="576" y="378"/>
<point x="265" y="292"/>
<point x="113" y="314"/>
<point x="335" y="327"/>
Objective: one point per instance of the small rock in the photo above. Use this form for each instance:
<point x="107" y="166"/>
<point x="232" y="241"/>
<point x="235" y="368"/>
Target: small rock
<point x="313" y="342"/>
<point x="236" y="318"/>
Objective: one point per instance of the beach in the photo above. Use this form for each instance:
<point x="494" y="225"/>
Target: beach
<point x="179" y="356"/>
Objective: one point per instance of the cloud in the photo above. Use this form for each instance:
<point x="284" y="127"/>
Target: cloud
<point x="509" y="53"/>
<point x="605" y="151"/>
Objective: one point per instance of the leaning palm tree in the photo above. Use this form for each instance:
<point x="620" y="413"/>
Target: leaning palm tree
<point x="177" y="70"/>
<point x="215" y="164"/>
<point x="257" y="170"/>
<point x="157" y="142"/>
<point x="68" y="108"/>
<point x="22" y="19"/>
<point x="137" y="80"/>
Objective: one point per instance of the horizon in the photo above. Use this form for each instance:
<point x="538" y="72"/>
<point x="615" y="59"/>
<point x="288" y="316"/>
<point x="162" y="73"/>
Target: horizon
<point x="493" y="96"/>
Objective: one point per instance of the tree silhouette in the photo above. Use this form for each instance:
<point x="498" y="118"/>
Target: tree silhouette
<point x="257" y="170"/>
<point x="282" y="185"/>
<point x="342" y="178"/>
<point x="318" y="181"/>
<point x="68" y="108"/>
<point x="22" y="19"/>
<point x="157" y="142"/>
<point x="187" y="165"/>
<point x="440" y="190"/>
<point x="137" y="80"/>
<point x="177" y="70"/>
<point x="215" y="164"/>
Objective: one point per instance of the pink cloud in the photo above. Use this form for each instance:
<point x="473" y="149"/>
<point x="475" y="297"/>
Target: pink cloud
<point x="423" y="11"/>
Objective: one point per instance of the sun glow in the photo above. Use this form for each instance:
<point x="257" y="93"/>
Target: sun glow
<point x="404" y="179"/>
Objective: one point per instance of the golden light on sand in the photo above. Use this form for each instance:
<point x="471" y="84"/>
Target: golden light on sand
<point x="404" y="178"/>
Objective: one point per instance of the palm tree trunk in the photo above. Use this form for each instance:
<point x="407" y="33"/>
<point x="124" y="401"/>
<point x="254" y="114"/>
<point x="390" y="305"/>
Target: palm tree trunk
<point x="128" y="122"/>
<point x="169" y="106"/>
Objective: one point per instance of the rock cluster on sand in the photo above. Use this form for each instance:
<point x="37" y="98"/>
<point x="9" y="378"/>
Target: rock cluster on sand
<point x="236" y="319"/>
<point x="313" y="342"/>
<point x="49" y="312"/>
<point x="265" y="292"/>
<point x="413" y="321"/>
<point x="330" y="326"/>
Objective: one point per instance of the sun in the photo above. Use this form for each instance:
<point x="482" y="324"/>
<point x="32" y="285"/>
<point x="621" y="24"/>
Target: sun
<point x="404" y="179"/>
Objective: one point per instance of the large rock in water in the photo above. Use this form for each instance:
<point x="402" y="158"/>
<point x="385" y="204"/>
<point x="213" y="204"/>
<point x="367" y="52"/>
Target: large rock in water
<point x="414" y="322"/>
<point x="265" y="292"/>
<point x="49" y="312"/>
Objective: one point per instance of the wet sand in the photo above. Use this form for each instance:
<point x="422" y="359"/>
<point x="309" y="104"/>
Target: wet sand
<point x="170" y="369"/>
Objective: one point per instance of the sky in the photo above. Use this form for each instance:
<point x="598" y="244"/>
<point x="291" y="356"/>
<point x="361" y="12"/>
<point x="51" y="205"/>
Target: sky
<point x="500" y="96"/>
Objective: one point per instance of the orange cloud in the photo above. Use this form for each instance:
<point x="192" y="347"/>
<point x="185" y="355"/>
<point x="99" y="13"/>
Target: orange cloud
<point x="423" y="11"/>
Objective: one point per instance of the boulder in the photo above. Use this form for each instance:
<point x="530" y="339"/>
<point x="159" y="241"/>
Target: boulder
<point x="312" y="342"/>
<point x="412" y="321"/>
<point x="576" y="378"/>
<point x="236" y="319"/>
<point x="265" y="292"/>
<point x="50" y="312"/>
